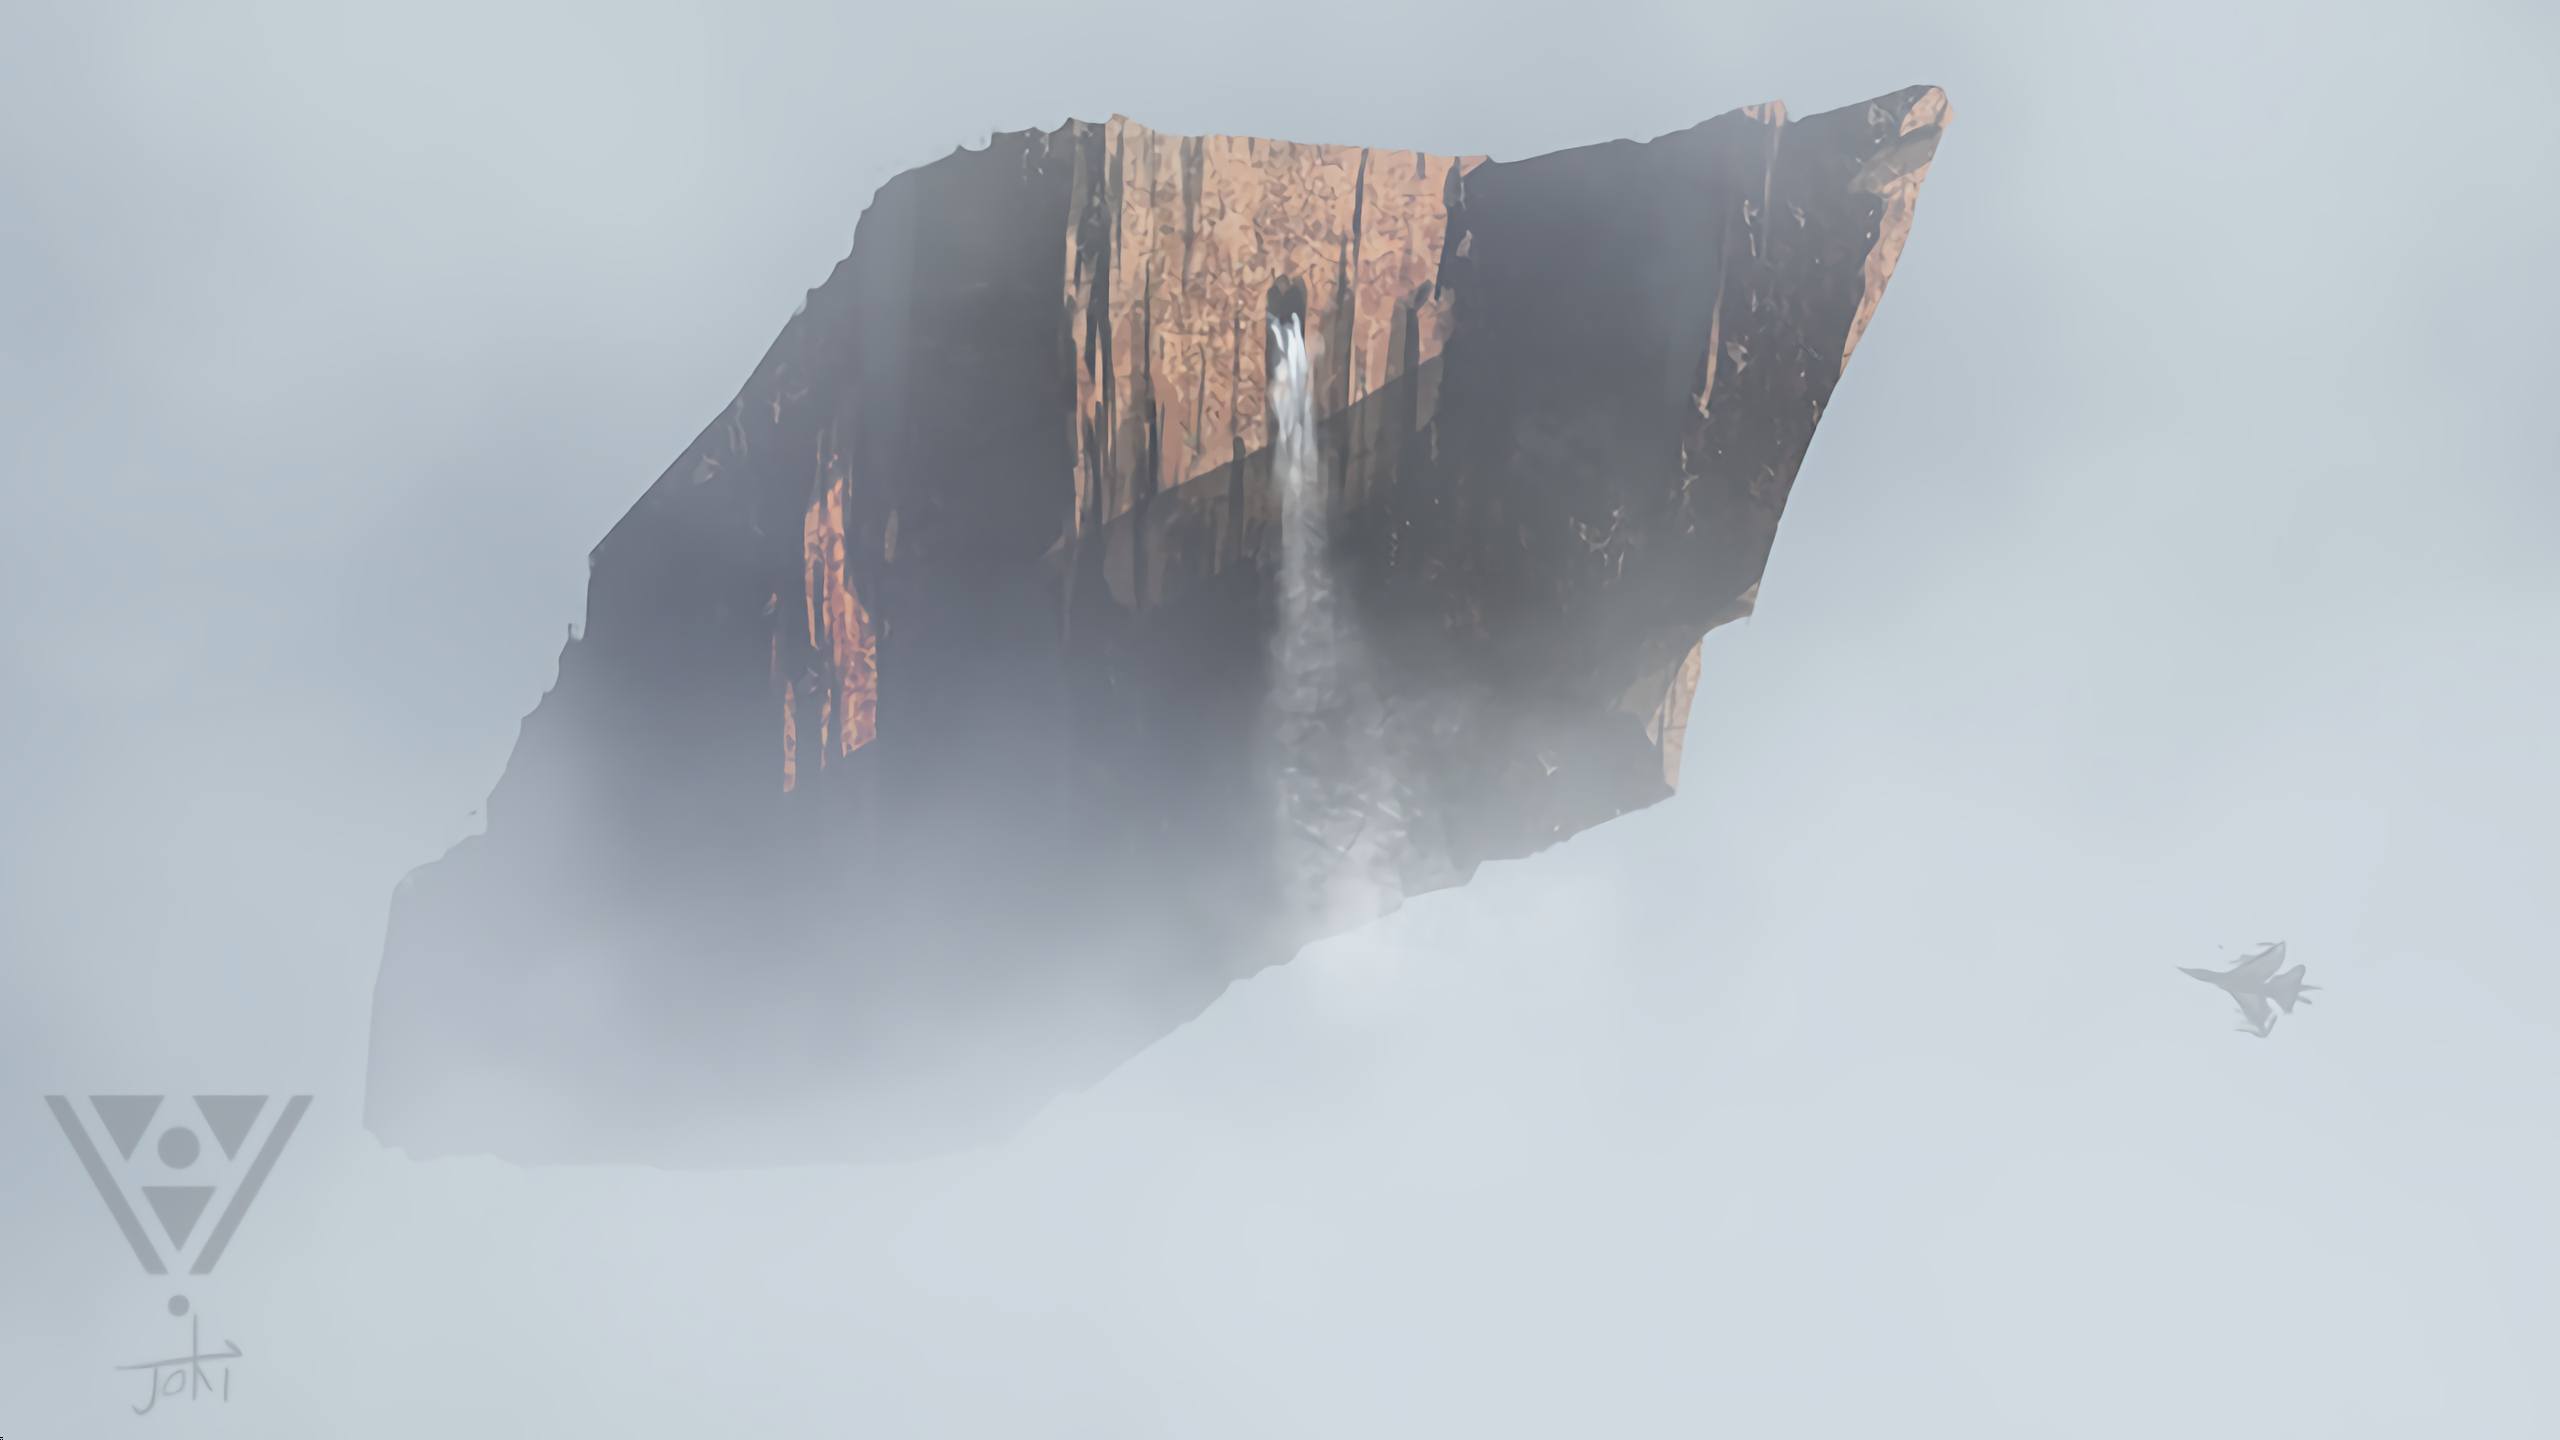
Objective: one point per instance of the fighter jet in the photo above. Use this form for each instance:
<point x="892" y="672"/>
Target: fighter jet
<point x="2253" y="980"/>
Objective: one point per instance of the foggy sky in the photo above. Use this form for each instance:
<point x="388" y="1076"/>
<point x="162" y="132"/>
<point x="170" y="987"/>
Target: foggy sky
<point x="2173" y="571"/>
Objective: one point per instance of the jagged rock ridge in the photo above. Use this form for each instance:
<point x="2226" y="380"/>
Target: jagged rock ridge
<point x="906" y="773"/>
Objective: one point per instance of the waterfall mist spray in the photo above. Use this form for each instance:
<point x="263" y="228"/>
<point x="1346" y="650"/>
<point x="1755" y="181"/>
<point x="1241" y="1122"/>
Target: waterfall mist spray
<point x="1342" y="823"/>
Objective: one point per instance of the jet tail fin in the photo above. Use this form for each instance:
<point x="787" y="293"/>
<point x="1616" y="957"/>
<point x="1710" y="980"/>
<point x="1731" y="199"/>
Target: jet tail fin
<point x="2286" y="989"/>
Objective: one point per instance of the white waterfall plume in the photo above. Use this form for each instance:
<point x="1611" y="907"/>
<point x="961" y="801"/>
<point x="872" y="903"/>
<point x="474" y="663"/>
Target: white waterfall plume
<point x="1342" y="822"/>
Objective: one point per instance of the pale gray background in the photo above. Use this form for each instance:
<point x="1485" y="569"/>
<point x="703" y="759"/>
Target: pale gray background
<point x="2174" y="572"/>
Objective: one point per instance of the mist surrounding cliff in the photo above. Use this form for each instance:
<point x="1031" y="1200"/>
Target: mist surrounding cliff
<point x="2174" y="574"/>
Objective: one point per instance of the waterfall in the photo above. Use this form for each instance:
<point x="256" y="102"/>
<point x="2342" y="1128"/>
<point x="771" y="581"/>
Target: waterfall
<point x="1342" y="825"/>
<point x="1307" y="637"/>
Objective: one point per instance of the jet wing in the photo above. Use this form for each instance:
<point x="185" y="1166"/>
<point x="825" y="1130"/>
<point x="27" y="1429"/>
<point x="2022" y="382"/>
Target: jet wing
<point x="2253" y="1006"/>
<point x="2258" y="969"/>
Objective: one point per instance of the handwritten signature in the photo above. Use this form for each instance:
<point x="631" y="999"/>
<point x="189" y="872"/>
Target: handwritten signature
<point x="186" y="1372"/>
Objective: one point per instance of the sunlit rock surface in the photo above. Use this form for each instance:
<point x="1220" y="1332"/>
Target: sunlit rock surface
<point x="915" y="765"/>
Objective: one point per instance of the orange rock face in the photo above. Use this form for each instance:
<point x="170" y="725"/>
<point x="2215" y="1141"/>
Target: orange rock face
<point x="1173" y="265"/>
<point x="839" y="631"/>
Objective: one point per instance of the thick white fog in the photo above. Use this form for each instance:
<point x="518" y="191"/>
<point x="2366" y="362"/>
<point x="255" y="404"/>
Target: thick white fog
<point x="2173" y="571"/>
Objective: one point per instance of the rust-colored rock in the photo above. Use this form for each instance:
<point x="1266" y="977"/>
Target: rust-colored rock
<point x="910" y="769"/>
<point x="1175" y="261"/>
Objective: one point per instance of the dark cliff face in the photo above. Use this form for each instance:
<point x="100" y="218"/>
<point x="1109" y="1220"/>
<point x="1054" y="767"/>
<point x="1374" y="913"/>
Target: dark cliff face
<point x="914" y="765"/>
